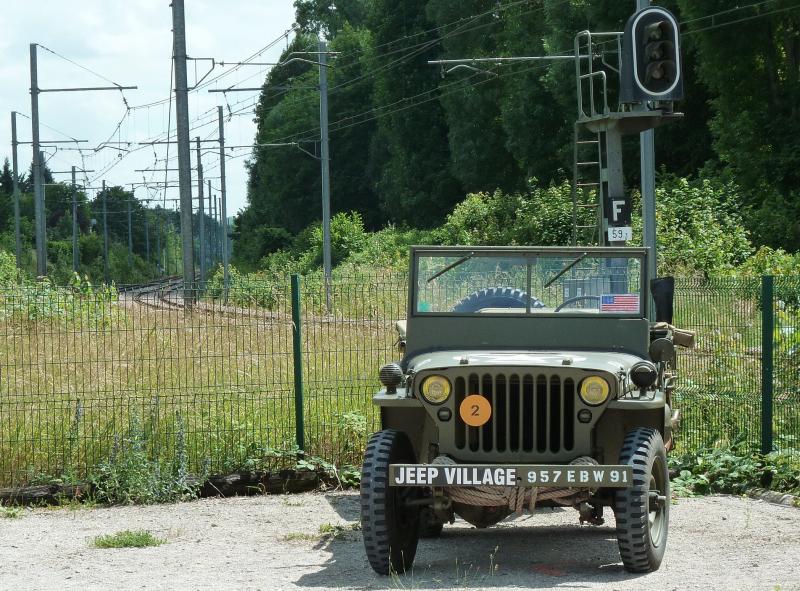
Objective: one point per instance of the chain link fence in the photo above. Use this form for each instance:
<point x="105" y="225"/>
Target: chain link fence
<point x="210" y="378"/>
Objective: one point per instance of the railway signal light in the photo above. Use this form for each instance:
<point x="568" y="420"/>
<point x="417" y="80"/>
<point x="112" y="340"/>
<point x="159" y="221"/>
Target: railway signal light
<point x="651" y="58"/>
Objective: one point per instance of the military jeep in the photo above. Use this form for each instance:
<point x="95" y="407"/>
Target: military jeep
<point x="529" y="377"/>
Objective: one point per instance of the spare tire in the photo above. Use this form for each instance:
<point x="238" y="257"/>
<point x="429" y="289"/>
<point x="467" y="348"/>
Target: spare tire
<point x="495" y="297"/>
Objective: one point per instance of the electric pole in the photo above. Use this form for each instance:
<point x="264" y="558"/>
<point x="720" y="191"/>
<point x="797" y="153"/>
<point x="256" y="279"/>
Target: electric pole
<point x="105" y="235"/>
<point x="213" y="215"/>
<point x="159" y="228"/>
<point x="223" y="205"/>
<point x="325" y="160"/>
<point x="184" y="157"/>
<point x="15" y="179"/>
<point x="648" y="164"/>
<point x="75" y="255"/>
<point x="130" y="236"/>
<point x="38" y="164"/>
<point x="38" y="194"/>
<point x="146" y="238"/>
<point x="201" y="230"/>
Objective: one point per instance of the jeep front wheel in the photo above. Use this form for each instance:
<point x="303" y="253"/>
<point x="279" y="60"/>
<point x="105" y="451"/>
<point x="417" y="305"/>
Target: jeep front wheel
<point x="390" y="523"/>
<point x="642" y="510"/>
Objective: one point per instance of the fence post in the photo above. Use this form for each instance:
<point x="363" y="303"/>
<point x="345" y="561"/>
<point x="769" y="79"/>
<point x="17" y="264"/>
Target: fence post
<point x="767" y="351"/>
<point x="299" y="420"/>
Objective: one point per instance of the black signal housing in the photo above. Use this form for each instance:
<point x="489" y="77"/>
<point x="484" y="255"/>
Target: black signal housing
<point x="651" y="58"/>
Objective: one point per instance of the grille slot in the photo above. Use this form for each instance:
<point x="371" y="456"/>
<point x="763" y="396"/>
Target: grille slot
<point x="530" y="412"/>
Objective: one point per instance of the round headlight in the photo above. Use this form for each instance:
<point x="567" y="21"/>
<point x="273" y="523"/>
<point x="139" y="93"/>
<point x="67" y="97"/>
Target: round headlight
<point x="435" y="389"/>
<point x="594" y="390"/>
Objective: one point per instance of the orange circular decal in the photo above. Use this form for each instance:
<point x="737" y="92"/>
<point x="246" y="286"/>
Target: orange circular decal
<point x="475" y="410"/>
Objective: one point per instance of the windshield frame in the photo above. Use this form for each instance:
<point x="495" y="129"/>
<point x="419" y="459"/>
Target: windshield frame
<point x="528" y="253"/>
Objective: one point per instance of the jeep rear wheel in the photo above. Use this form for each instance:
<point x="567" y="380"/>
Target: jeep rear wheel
<point x="389" y="523"/>
<point x="642" y="510"/>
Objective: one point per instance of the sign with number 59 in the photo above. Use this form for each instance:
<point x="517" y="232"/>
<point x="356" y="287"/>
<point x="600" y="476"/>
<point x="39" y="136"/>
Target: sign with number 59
<point x="620" y="234"/>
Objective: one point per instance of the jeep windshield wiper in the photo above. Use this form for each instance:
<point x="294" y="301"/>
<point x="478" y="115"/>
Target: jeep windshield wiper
<point x="451" y="266"/>
<point x="567" y="268"/>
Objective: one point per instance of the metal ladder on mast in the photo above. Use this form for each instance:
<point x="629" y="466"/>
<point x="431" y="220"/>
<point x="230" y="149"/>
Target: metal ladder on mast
<point x="587" y="186"/>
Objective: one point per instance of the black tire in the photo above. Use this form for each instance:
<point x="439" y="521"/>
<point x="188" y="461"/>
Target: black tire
<point x="642" y="510"/>
<point x="496" y="297"/>
<point x="390" y="528"/>
<point x="430" y="526"/>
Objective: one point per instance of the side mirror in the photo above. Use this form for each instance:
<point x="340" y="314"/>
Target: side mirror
<point x="663" y="291"/>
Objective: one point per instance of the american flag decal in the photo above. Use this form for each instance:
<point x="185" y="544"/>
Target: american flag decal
<point x="620" y="302"/>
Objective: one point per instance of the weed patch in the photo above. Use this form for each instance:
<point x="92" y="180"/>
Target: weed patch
<point x="128" y="539"/>
<point x="730" y="470"/>
<point x="10" y="512"/>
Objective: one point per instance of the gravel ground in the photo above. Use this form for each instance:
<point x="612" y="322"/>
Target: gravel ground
<point x="274" y="542"/>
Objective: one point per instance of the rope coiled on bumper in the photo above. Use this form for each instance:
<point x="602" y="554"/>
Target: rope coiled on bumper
<point x="516" y="498"/>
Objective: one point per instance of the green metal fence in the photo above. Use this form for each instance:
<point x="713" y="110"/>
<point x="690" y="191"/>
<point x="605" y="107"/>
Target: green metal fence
<point x="83" y="370"/>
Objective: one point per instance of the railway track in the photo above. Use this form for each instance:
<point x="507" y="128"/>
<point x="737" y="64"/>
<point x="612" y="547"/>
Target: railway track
<point x="162" y="294"/>
<point x="167" y="295"/>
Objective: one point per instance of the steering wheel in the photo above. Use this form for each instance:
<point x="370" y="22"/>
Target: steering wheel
<point x="572" y="300"/>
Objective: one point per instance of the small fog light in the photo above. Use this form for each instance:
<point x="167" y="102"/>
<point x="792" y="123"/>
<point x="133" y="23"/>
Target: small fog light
<point x="644" y="374"/>
<point x="585" y="415"/>
<point x="391" y="375"/>
<point x="444" y="414"/>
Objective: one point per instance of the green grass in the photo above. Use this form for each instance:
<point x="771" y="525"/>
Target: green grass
<point x="128" y="539"/>
<point x="297" y="536"/>
<point x="10" y="512"/>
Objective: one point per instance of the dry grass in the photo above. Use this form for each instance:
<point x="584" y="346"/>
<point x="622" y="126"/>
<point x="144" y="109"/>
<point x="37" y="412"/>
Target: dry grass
<point x="70" y="388"/>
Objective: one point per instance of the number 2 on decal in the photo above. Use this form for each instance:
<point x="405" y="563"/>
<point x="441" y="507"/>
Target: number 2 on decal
<point x="475" y="410"/>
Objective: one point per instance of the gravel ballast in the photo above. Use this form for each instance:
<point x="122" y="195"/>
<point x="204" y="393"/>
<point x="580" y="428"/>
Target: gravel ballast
<point x="275" y="542"/>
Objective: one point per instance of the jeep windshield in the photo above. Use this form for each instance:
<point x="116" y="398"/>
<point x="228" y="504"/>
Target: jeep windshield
<point x="596" y="281"/>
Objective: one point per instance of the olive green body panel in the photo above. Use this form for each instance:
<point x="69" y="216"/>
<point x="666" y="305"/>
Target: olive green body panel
<point x="497" y="333"/>
<point x="416" y="424"/>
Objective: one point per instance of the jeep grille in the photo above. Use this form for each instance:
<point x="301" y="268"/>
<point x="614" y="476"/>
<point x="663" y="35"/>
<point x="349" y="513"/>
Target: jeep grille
<point x="532" y="413"/>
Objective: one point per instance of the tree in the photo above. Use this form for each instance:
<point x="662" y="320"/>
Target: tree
<point x="752" y="69"/>
<point x="410" y="153"/>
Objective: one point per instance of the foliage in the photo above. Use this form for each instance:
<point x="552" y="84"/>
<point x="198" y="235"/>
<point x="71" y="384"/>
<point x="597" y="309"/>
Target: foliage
<point x="732" y="471"/>
<point x="769" y="261"/>
<point x="754" y="99"/>
<point x="132" y="476"/>
<point x="699" y="227"/>
<point x="78" y="303"/>
<point x="262" y="289"/>
<point x="128" y="539"/>
<point x="10" y="512"/>
<point x="8" y="269"/>
<point x="540" y="216"/>
<point x="304" y="255"/>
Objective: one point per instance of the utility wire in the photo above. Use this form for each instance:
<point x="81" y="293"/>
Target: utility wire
<point x="742" y="20"/>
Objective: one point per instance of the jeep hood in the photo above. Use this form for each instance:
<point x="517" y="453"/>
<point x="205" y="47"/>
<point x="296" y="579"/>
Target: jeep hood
<point x="613" y="363"/>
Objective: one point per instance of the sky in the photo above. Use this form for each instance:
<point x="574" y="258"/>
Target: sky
<point x="130" y="44"/>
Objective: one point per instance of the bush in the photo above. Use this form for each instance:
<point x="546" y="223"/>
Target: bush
<point x="731" y="471"/>
<point x="8" y="269"/>
<point x="264" y="289"/>
<point x="700" y="230"/>
<point x="79" y="303"/>
<point x="131" y="476"/>
<point x="541" y="217"/>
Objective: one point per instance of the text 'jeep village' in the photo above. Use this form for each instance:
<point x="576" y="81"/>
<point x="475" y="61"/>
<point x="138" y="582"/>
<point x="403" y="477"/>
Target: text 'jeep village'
<point x="530" y="377"/>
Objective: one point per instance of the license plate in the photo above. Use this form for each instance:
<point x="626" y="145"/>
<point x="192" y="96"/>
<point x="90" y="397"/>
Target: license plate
<point x="466" y="475"/>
